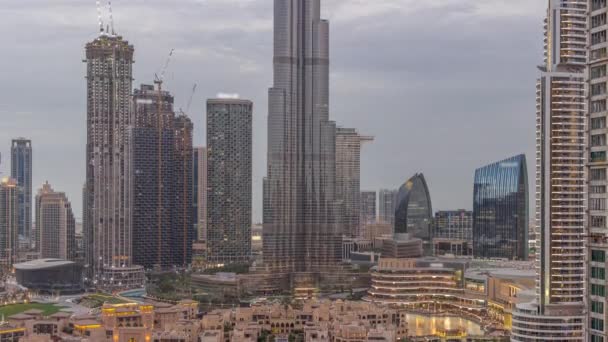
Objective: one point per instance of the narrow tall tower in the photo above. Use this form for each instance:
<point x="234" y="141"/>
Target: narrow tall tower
<point x="348" y="178"/>
<point x="597" y="162"/>
<point x="560" y="178"/>
<point x="301" y="228"/>
<point x="229" y="171"/>
<point x="109" y="61"/>
<point x="9" y="204"/>
<point x="21" y="170"/>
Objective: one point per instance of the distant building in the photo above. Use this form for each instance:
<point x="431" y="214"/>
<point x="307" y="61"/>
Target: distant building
<point x="368" y="208"/>
<point x="453" y="232"/>
<point x="229" y="179"/>
<point x="50" y="276"/>
<point x="109" y="65"/>
<point x="55" y="236"/>
<point x="199" y="192"/>
<point x="348" y="178"/>
<point x="9" y="205"/>
<point x="21" y="170"/>
<point x="387" y="200"/>
<point x="500" y="210"/>
<point x="414" y="211"/>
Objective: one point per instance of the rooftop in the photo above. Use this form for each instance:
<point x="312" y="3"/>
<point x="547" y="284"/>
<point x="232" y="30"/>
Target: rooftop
<point x="42" y="263"/>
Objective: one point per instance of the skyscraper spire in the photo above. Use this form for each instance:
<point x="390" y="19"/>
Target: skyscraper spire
<point x="99" y="19"/>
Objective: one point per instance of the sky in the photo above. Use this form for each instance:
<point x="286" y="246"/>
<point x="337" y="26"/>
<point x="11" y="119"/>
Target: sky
<point x="445" y="86"/>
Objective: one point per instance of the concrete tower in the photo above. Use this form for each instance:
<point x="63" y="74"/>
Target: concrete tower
<point x="301" y="228"/>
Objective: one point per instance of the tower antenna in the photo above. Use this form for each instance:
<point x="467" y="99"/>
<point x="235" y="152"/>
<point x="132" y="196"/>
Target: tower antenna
<point x="111" y="17"/>
<point x="99" y="17"/>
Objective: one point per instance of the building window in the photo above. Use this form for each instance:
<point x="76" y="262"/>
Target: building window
<point x="598" y="174"/>
<point x="595" y="338"/>
<point x="598" y="290"/>
<point x="598" y="123"/>
<point x="597" y="4"/>
<point x="597" y="307"/>
<point x="598" y="106"/>
<point x="598" y="88"/>
<point x="598" y="189"/>
<point x="598" y="37"/>
<point x="598" y="156"/>
<point x="597" y="203"/>
<point x="598" y="256"/>
<point x="598" y="221"/>
<point x="597" y="324"/>
<point x="598" y="273"/>
<point x="598" y="140"/>
<point x="598" y="54"/>
<point x="598" y="20"/>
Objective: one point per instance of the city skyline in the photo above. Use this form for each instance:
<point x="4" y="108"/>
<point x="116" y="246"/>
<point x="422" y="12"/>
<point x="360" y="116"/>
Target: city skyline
<point x="254" y="68"/>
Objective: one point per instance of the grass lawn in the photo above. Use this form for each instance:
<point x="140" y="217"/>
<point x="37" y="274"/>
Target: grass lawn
<point x="106" y="298"/>
<point x="13" y="309"/>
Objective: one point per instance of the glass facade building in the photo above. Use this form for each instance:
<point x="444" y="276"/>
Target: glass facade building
<point x="500" y="210"/>
<point x="413" y="209"/>
<point x="21" y="170"/>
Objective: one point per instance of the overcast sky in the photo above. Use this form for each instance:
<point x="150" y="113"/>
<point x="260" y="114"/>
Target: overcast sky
<point x="445" y="86"/>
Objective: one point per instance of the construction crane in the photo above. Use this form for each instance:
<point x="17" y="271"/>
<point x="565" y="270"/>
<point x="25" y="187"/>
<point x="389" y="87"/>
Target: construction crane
<point x="192" y="92"/>
<point x="158" y="80"/>
<point x="100" y="21"/>
<point x="111" y="17"/>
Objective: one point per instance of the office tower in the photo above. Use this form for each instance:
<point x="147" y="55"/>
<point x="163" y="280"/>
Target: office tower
<point x="9" y="222"/>
<point x="229" y="172"/>
<point x="183" y="234"/>
<point x="199" y="192"/>
<point x="558" y="314"/>
<point x="368" y="207"/>
<point x="151" y="143"/>
<point x="453" y="232"/>
<point x="414" y="210"/>
<point x="55" y="235"/>
<point x="387" y="200"/>
<point x="598" y="242"/>
<point x="109" y="61"/>
<point x="348" y="178"/>
<point x="302" y="232"/>
<point x="500" y="210"/>
<point x="453" y="224"/>
<point x="21" y="170"/>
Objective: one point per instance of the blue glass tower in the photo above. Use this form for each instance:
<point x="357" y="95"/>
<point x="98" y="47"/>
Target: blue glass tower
<point x="500" y="210"/>
<point x="21" y="170"/>
<point x="414" y="211"/>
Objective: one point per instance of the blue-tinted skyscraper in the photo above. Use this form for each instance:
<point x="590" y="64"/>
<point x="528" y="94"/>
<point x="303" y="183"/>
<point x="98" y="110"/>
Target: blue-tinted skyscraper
<point x="414" y="211"/>
<point x="21" y="170"/>
<point x="500" y="210"/>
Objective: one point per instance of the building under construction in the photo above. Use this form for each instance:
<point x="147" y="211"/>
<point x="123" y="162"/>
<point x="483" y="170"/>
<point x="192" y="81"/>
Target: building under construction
<point x="161" y="163"/>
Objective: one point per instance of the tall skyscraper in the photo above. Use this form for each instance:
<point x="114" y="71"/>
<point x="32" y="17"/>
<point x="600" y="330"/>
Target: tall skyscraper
<point x="21" y="170"/>
<point x="199" y="183"/>
<point x="302" y="232"/>
<point x="500" y="210"/>
<point x="55" y="225"/>
<point x="109" y="61"/>
<point x="348" y="178"/>
<point x="184" y="233"/>
<point x="9" y="221"/>
<point x="229" y="172"/>
<point x="559" y="312"/>
<point x="597" y="301"/>
<point x="368" y="207"/>
<point x="152" y="146"/>
<point x="387" y="199"/>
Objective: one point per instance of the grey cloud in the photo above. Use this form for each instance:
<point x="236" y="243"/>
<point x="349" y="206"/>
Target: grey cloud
<point x="444" y="85"/>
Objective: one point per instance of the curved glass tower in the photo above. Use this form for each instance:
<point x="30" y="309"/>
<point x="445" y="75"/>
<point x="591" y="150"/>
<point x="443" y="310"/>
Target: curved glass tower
<point x="413" y="209"/>
<point x="500" y="210"/>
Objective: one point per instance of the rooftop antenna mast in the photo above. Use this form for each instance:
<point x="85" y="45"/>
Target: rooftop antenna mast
<point x="100" y="21"/>
<point x="111" y="17"/>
